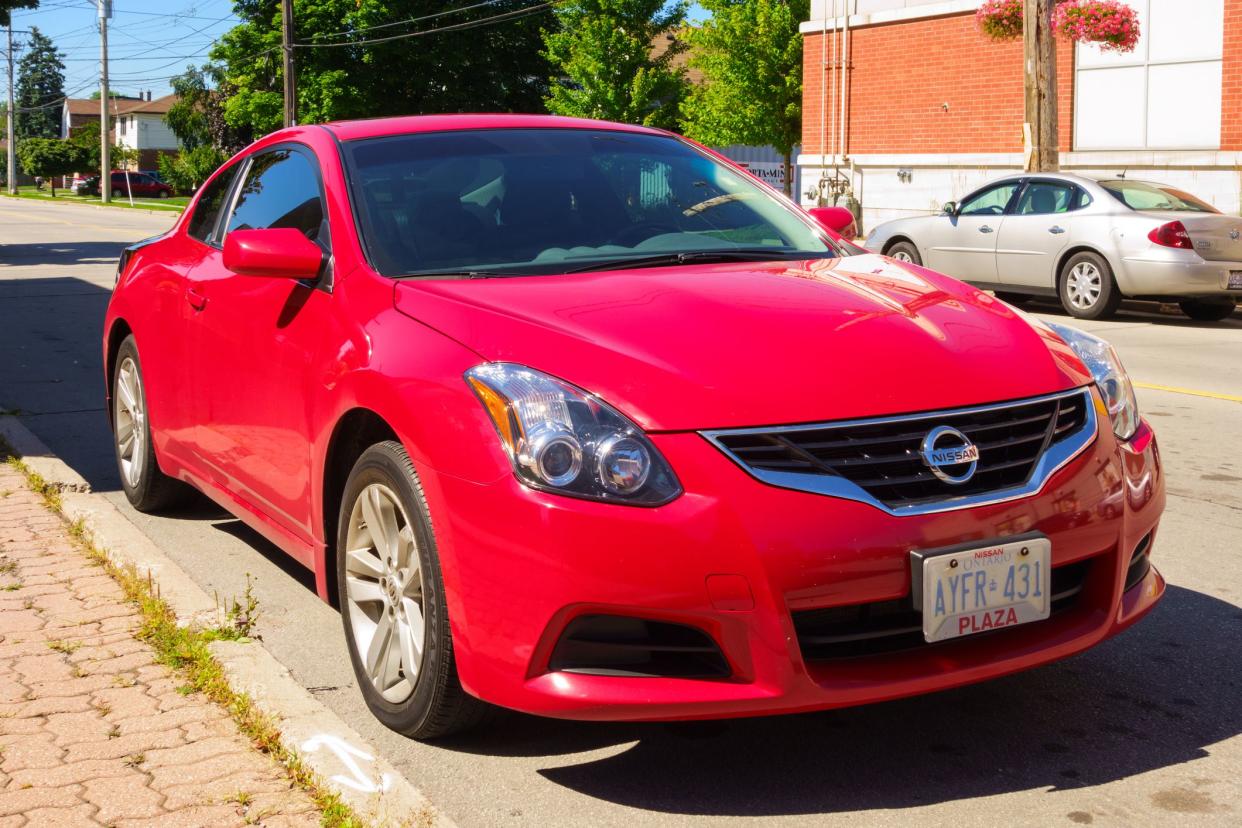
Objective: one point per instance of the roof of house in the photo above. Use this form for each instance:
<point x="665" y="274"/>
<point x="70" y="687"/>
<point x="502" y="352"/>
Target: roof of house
<point x="121" y="106"/>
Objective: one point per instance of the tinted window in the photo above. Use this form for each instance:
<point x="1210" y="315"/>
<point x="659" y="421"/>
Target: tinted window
<point x="989" y="202"/>
<point x="1139" y="195"/>
<point x="555" y="200"/>
<point x="1043" y="197"/>
<point x="281" y="190"/>
<point x="207" y="209"/>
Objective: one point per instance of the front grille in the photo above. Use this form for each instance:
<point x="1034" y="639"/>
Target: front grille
<point x="889" y="626"/>
<point x="617" y="645"/>
<point x="882" y="457"/>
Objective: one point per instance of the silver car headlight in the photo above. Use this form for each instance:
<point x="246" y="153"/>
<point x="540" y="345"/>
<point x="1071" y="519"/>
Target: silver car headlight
<point x="1111" y="378"/>
<point x="565" y="440"/>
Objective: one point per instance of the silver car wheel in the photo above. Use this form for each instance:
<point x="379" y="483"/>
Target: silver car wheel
<point x="131" y="421"/>
<point x="384" y="588"/>
<point x="903" y="256"/>
<point x="1084" y="285"/>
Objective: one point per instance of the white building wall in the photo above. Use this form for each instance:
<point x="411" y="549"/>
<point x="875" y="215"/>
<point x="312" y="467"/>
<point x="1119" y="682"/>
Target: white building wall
<point x="144" y="131"/>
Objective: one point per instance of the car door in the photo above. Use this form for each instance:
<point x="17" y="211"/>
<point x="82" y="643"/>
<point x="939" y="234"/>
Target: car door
<point x="1034" y="233"/>
<point x="256" y="342"/>
<point x="962" y="244"/>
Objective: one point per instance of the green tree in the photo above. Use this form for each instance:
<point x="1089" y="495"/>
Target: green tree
<point x="614" y="63"/>
<point x="198" y="116"/>
<point x="481" y="66"/>
<point x="86" y="139"/>
<point x="48" y="158"/>
<point x="7" y="7"/>
<point x="40" y="88"/>
<point x="750" y="53"/>
<point x="186" y="171"/>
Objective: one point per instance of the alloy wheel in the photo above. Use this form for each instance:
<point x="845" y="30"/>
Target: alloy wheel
<point x="384" y="588"/>
<point x="1084" y="285"/>
<point x="130" y="418"/>
<point x="903" y="256"/>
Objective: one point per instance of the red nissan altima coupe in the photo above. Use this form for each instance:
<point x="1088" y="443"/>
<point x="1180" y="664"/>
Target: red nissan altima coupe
<point x="579" y="419"/>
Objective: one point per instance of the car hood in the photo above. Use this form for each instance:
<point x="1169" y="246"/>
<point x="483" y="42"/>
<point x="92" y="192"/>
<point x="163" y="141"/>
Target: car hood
<point x="719" y="346"/>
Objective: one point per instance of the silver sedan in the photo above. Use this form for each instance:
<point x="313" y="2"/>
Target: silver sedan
<point x="1088" y="242"/>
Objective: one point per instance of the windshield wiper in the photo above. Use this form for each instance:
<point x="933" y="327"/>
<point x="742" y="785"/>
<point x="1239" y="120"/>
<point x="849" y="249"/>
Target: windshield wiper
<point x="740" y="254"/>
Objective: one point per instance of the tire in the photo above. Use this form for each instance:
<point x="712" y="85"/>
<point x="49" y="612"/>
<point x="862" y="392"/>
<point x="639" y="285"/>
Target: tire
<point x="1208" y="310"/>
<point x="146" y="487"/>
<point x="163" y="194"/>
<point x="1087" y="288"/>
<point x="379" y="599"/>
<point x="904" y="251"/>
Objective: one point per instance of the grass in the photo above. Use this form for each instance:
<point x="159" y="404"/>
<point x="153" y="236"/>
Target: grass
<point x="173" y="204"/>
<point x="186" y="650"/>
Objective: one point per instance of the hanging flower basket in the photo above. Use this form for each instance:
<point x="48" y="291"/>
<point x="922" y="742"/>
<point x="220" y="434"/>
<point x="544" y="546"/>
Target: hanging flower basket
<point x="1000" y="20"/>
<point x="1111" y="25"/>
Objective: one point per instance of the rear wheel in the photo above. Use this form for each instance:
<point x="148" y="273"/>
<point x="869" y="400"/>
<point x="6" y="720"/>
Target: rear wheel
<point x="392" y="601"/>
<point x="1208" y="310"/>
<point x="146" y="487"/>
<point x="1087" y="287"/>
<point x="904" y="251"/>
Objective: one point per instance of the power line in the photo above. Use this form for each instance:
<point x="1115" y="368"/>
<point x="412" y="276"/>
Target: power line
<point x="453" y="27"/>
<point x="444" y="13"/>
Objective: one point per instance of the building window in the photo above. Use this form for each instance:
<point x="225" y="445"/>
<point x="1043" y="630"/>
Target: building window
<point x="1163" y="95"/>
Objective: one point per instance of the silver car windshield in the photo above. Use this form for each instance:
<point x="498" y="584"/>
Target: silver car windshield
<point x="542" y="201"/>
<point x="1140" y="195"/>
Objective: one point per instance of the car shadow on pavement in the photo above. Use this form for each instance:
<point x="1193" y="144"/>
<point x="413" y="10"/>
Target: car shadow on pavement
<point x="61" y="253"/>
<point x="1159" y="695"/>
<point x="1136" y="311"/>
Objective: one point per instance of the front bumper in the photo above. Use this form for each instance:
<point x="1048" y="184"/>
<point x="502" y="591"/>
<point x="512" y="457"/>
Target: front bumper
<point x="1175" y="273"/>
<point x="520" y="565"/>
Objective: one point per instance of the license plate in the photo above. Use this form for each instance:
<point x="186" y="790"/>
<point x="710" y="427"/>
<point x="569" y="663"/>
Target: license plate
<point x="1235" y="280"/>
<point x="967" y="591"/>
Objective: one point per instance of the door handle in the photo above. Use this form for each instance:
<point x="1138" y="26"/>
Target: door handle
<point x="985" y="229"/>
<point x="197" y="300"/>
<point x="1055" y="229"/>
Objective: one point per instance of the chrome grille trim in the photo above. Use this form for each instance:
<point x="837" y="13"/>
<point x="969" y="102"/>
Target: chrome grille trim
<point x="1050" y="460"/>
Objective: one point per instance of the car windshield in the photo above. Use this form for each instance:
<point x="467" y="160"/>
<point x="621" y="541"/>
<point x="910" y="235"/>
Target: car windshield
<point x="538" y="201"/>
<point x="1140" y="195"/>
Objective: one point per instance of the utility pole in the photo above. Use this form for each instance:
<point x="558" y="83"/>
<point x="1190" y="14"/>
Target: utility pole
<point x="1040" y="59"/>
<point x="291" y="87"/>
<point x="105" y="144"/>
<point x="11" y="116"/>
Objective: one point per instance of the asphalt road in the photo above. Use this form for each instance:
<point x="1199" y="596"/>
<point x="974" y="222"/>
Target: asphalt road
<point x="1143" y="730"/>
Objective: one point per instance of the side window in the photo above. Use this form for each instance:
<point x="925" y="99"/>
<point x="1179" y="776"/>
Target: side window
<point x="1044" y="197"/>
<point x="207" y="209"/>
<point x="989" y="202"/>
<point x="1082" y="199"/>
<point x="281" y="190"/>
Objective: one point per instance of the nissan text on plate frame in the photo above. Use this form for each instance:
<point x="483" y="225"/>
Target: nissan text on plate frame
<point x="579" y="419"/>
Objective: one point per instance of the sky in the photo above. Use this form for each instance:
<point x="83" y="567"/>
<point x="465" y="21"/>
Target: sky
<point x="149" y="41"/>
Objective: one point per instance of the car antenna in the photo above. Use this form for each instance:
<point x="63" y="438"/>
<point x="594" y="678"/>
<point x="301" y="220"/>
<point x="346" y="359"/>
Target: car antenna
<point x="1123" y="172"/>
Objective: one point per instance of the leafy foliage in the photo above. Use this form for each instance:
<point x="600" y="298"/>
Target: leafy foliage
<point x="185" y="172"/>
<point x="49" y="157"/>
<point x="7" y="7"/>
<point x="40" y="88"/>
<point x="750" y="53"/>
<point x="197" y="119"/>
<point x="1000" y="20"/>
<point x="495" y="67"/>
<point x="607" y="65"/>
<point x="86" y="139"/>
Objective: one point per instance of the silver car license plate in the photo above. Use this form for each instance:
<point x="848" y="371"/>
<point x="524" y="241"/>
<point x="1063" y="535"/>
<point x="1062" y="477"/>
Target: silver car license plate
<point x="973" y="590"/>
<point x="1235" y="280"/>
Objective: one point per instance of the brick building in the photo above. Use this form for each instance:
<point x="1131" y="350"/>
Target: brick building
<point x="928" y="109"/>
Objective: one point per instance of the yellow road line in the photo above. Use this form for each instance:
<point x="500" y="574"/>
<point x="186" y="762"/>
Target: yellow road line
<point x="1192" y="392"/>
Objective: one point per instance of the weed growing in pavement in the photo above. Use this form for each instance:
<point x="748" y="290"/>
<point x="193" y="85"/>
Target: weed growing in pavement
<point x="65" y="647"/>
<point x="242" y="798"/>
<point x="78" y="672"/>
<point x="114" y="731"/>
<point x="7" y="565"/>
<point x="240" y="617"/>
<point x="187" y="649"/>
<point x="14" y="587"/>
<point x="123" y="680"/>
<point x="135" y="759"/>
<point x="102" y="706"/>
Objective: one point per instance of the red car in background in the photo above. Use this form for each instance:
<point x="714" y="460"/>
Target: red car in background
<point x="578" y="419"/>
<point x="141" y="185"/>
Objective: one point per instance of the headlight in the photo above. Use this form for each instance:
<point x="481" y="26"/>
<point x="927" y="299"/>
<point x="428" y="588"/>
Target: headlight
<point x="1110" y="376"/>
<point x="562" y="439"/>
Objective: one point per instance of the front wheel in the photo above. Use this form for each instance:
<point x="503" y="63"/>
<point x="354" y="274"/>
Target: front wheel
<point x="904" y="251"/>
<point x="1208" y="310"/>
<point x="146" y="487"/>
<point x="1087" y="287"/>
<point x="392" y="601"/>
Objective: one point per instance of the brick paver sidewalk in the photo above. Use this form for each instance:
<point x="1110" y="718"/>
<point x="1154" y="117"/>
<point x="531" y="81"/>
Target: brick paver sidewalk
<point x="92" y="730"/>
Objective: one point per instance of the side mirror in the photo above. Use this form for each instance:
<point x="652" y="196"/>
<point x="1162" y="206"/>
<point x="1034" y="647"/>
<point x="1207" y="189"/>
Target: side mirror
<point x="838" y="220"/>
<point x="280" y="253"/>
<point x="950" y="208"/>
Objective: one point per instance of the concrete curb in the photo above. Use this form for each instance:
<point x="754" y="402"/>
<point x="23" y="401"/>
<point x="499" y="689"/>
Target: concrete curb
<point x="164" y="211"/>
<point x="335" y="751"/>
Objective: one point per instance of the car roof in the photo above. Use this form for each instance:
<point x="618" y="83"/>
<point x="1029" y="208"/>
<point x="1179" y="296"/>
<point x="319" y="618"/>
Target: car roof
<point x="380" y="127"/>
